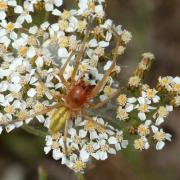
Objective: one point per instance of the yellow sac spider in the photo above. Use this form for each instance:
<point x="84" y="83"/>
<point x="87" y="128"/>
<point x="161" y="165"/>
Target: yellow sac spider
<point x="78" y="94"/>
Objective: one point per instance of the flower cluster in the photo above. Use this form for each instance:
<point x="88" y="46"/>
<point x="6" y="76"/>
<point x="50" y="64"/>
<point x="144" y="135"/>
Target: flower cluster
<point x="85" y="139"/>
<point x="144" y="115"/>
<point x="38" y="38"/>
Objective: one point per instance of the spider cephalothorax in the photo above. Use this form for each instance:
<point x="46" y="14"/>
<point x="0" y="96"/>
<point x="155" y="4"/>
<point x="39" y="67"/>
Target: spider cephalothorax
<point x="79" y="94"/>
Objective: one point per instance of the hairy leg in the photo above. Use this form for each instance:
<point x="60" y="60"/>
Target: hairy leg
<point x="78" y="58"/>
<point x="103" y="81"/>
<point x="102" y="103"/>
<point x="44" y="111"/>
<point x="90" y="119"/>
<point x="63" y="69"/>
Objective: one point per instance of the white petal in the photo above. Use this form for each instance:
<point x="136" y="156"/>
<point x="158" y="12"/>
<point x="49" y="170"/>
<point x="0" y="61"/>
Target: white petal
<point x="159" y="121"/>
<point x="124" y="143"/>
<point x="62" y="53"/>
<point x="112" y="140"/>
<point x="31" y="52"/>
<point x="39" y="62"/>
<point x="10" y="127"/>
<point x="31" y="92"/>
<point x="103" y="44"/>
<point x="1" y="129"/>
<point x="82" y="133"/>
<point x="18" y="9"/>
<point x="93" y="43"/>
<point x="58" y="3"/>
<point x="132" y="100"/>
<point x="40" y="118"/>
<point x="47" y="149"/>
<point x="142" y="116"/>
<point x="56" y="12"/>
<point x="177" y="80"/>
<point x="56" y="154"/>
<point x="84" y="155"/>
<point x="154" y="129"/>
<point x="160" y="145"/>
<point x="168" y="136"/>
<point x="48" y="7"/>
<point x="103" y="156"/>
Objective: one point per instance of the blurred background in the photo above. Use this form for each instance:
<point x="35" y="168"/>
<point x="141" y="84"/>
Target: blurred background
<point x="155" y="26"/>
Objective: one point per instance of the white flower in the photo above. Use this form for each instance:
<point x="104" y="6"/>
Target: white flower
<point x="162" y="113"/>
<point x="49" y="4"/>
<point x="141" y="143"/>
<point x="102" y="153"/>
<point x="160" y="136"/>
<point x="143" y="107"/>
<point x="24" y="12"/>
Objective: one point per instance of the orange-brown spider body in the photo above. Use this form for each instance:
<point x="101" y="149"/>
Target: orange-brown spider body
<point x="78" y="95"/>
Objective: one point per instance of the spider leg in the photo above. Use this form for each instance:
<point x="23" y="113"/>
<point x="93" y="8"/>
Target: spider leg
<point x="59" y="96"/>
<point x="102" y="103"/>
<point x="103" y="81"/>
<point x="66" y="132"/>
<point x="90" y="119"/>
<point x="79" y="57"/>
<point x="64" y="81"/>
<point x="44" y="111"/>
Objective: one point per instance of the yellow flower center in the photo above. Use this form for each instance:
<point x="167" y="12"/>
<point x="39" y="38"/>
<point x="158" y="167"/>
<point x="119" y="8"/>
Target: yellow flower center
<point x="90" y="126"/>
<point x="150" y="93"/>
<point x="65" y="15"/>
<point x="79" y="165"/>
<point x="81" y="25"/>
<point x="139" y="144"/>
<point x="63" y="41"/>
<point x="91" y="6"/>
<point x="163" y="112"/>
<point x="143" y="108"/>
<point x="23" y="51"/>
<point x="9" y="109"/>
<point x="108" y="90"/>
<point x="3" y="6"/>
<point x="143" y="130"/>
<point x="159" y="136"/>
<point x="63" y="25"/>
<point x="22" y="115"/>
<point x="176" y="88"/>
<point x="10" y="26"/>
<point x="122" y="99"/>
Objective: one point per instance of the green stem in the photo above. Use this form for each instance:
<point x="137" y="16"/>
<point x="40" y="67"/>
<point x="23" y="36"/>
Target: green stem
<point x="34" y="131"/>
<point x="42" y="174"/>
<point x="80" y="176"/>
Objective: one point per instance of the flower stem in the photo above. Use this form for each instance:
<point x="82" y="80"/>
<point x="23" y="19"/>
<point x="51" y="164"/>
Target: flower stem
<point x="34" y="131"/>
<point x="80" y="176"/>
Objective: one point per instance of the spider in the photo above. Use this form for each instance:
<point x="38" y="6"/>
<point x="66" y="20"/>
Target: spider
<point x="78" y="94"/>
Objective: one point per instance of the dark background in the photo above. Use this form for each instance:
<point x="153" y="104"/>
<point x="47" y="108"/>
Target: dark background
<point x="155" y="26"/>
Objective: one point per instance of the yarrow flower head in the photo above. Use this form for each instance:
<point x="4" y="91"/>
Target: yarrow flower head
<point x="59" y="71"/>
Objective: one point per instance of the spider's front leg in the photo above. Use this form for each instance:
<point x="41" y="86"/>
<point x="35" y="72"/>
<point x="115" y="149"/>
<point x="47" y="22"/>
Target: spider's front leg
<point x="104" y="102"/>
<point x="61" y="73"/>
<point x="90" y="119"/>
<point x="103" y="81"/>
<point x="78" y="58"/>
